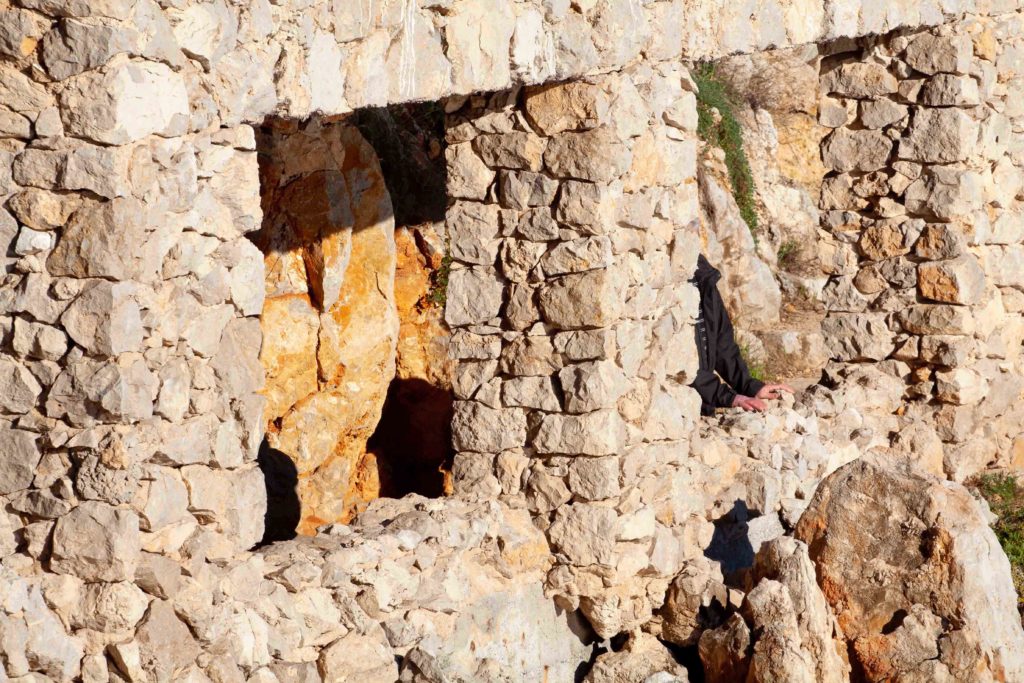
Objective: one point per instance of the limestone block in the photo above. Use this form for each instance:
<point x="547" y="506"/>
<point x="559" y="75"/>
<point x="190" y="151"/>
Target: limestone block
<point x="518" y="150"/>
<point x="860" y="80"/>
<point x="643" y="658"/>
<point x="591" y="299"/>
<point x="105" y="319"/>
<point x="21" y="456"/>
<point x="233" y="501"/>
<point x="358" y="657"/>
<point x="591" y="207"/>
<point x="956" y="281"/>
<point x="597" y="155"/>
<point x="931" y="54"/>
<point x="474" y="296"/>
<point x="948" y="349"/>
<point x="594" y="478"/>
<point x="584" y="533"/>
<point x="475" y="427"/>
<point x="885" y="240"/>
<point x="519" y="258"/>
<point x="546" y="492"/>
<point x="529" y="356"/>
<point x="96" y="542"/>
<point x="206" y="31"/>
<point x="858" y="336"/>
<point x="575" y="105"/>
<point x="941" y="241"/>
<point x="473" y="231"/>
<point x="1003" y="264"/>
<point x="948" y="192"/>
<point x="592" y="385"/>
<point x="598" y="433"/>
<point x="856" y="150"/>
<point x="537" y="225"/>
<point x="947" y="90"/>
<point x="166" y="499"/>
<point x="937" y="319"/>
<point x="525" y="189"/>
<point x="75" y="46"/>
<point x="19" y="389"/>
<point x="942" y="135"/>
<point x="530" y="392"/>
<point x="110" y="607"/>
<point x="42" y="209"/>
<point x="960" y="386"/>
<point x="163" y="648"/>
<point x="468" y="176"/>
<point x="478" y="37"/>
<point x="111" y="240"/>
<point x="125" y="102"/>
<point x="972" y="577"/>
<point x="576" y="256"/>
<point x="875" y="114"/>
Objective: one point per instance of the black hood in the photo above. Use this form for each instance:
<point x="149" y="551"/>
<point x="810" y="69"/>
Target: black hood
<point x="706" y="274"/>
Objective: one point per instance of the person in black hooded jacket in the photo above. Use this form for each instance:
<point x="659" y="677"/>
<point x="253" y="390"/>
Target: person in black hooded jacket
<point x="716" y="346"/>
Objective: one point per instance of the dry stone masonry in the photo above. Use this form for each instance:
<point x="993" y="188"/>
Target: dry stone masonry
<point x="148" y="347"/>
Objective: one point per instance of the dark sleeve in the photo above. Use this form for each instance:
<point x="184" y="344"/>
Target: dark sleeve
<point x="712" y="392"/>
<point x="730" y="364"/>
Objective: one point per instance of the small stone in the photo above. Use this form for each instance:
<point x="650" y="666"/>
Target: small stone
<point x="473" y="231"/>
<point x="956" y="281"/>
<point x="594" y="478"/>
<point x="19" y="389"/>
<point x="597" y="155"/>
<point x="856" y="150"/>
<point x="598" y="433"/>
<point x="21" y="456"/>
<point x="517" y="150"/>
<point x="538" y="225"/>
<point x="931" y="54"/>
<point x="584" y="533"/>
<point x="960" y="386"/>
<point x="96" y="542"/>
<point x="530" y="392"/>
<point x="875" y="114"/>
<point x="358" y="657"/>
<point x="524" y="189"/>
<point x="468" y="176"/>
<point x="43" y="210"/>
<point x="475" y="427"/>
<point x="592" y="386"/>
<point x="860" y="80"/>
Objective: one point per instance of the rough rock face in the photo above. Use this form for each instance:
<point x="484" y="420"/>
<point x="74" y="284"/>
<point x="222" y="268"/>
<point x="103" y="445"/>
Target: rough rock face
<point x="329" y="321"/>
<point x="641" y="660"/>
<point x="918" y="582"/>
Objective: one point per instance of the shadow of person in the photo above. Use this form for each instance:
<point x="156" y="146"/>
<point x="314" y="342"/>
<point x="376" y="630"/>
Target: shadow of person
<point x="730" y="544"/>
<point x="283" y="507"/>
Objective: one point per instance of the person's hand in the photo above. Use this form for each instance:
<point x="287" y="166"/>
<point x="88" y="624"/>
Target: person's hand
<point x="773" y="391"/>
<point x="749" y="404"/>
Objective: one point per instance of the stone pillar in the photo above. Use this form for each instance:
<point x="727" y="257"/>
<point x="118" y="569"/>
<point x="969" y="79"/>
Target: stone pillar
<point x="573" y="231"/>
<point x="924" y="228"/>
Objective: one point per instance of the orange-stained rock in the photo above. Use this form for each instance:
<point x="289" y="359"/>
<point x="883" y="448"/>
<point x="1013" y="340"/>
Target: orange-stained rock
<point x="413" y="441"/>
<point x="329" y="322"/>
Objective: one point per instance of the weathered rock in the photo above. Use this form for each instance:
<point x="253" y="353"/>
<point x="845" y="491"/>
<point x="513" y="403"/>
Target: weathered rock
<point x="860" y="80"/>
<point x="641" y="659"/>
<point x="956" y="281"/>
<point x="96" y="542"/>
<point x="597" y="155"/>
<point x="552" y="109"/>
<point x="931" y="54"/>
<point x="939" y="135"/>
<point x="871" y="574"/>
<point x="852" y="150"/>
<point x="358" y="657"/>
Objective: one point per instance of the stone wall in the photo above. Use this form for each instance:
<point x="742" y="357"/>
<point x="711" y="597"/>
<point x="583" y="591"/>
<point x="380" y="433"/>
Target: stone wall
<point x="131" y="404"/>
<point x="924" y="226"/>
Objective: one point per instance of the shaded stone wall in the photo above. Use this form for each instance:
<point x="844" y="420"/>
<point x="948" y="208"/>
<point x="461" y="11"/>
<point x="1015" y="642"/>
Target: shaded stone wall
<point x="924" y="227"/>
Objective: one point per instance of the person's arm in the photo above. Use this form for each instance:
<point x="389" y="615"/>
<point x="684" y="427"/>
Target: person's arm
<point x="730" y="364"/>
<point x="712" y="392"/>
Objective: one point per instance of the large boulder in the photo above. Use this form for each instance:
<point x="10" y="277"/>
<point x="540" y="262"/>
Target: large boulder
<point x="915" y="576"/>
<point x="330" y="325"/>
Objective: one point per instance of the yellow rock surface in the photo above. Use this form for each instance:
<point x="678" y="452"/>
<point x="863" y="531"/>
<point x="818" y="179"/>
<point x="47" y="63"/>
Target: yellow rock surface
<point x="330" y="323"/>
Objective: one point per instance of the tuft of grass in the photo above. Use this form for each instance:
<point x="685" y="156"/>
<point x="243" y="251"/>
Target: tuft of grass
<point x="1005" y="496"/>
<point x="787" y="250"/>
<point x="725" y="132"/>
<point x="438" y="294"/>
<point x="757" y="369"/>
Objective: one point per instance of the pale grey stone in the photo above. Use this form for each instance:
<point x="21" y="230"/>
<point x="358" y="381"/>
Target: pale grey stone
<point x="359" y="657"/>
<point x="74" y="46"/>
<point x="575" y="256"/>
<point x="474" y="296"/>
<point x="519" y="258"/>
<point x="516" y="150"/>
<point x="475" y="427"/>
<point x="856" y="150"/>
<point x="96" y="542"/>
<point x="592" y="385"/>
<point x="21" y="456"/>
<point x="468" y="176"/>
<point x="940" y="135"/>
<point x="860" y="80"/>
<point x="530" y="392"/>
<point x="36" y="340"/>
<point x="538" y="225"/>
<point x="584" y="533"/>
<point x="529" y="356"/>
<point x="932" y="54"/>
<point x="858" y="336"/>
<point x="590" y="207"/>
<point x="591" y="299"/>
<point x="876" y="114"/>
<point x="524" y="189"/>
<point x="594" y="478"/>
<point x="19" y="389"/>
<point x="947" y="90"/>
<point x="597" y="155"/>
<point x="598" y="433"/>
<point x="105" y="319"/>
<point x="110" y="607"/>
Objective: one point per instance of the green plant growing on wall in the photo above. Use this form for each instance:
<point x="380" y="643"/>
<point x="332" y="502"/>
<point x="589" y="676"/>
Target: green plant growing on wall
<point x="787" y="251"/>
<point x="1005" y="497"/>
<point x="724" y="131"/>
<point x="438" y="294"/>
<point x="757" y="369"/>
